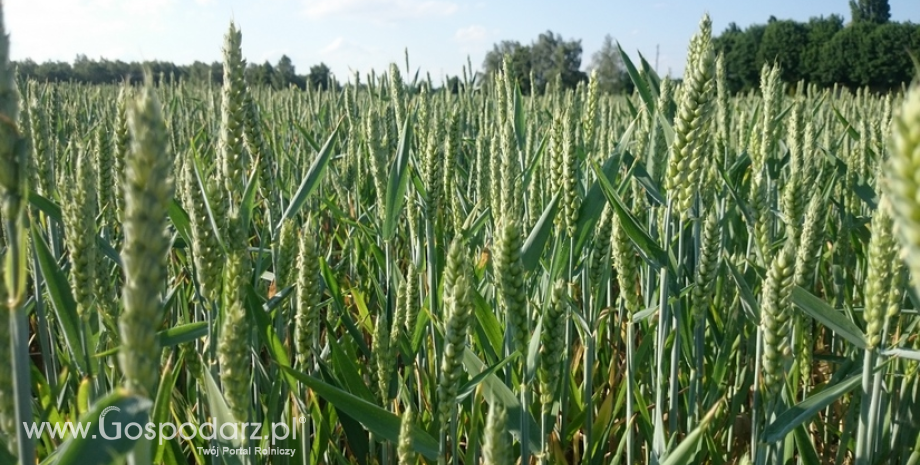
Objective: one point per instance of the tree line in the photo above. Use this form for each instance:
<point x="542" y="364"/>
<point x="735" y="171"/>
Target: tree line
<point x="870" y="52"/>
<point x="102" y="71"/>
<point x="551" y="60"/>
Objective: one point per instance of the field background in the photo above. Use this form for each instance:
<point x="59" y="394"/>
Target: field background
<point x="408" y="275"/>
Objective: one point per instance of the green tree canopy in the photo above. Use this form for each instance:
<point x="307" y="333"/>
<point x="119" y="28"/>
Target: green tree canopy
<point x="872" y="11"/>
<point x="285" y="74"/>
<point x="319" y="76"/>
<point x="519" y="62"/>
<point x="870" y="51"/>
<point x="260" y="75"/>
<point x="544" y="60"/>
<point x="611" y="73"/>
<point x="820" y="31"/>
<point x="103" y="71"/>
<point x="889" y="63"/>
<point x="844" y="57"/>
<point x="784" y="42"/>
<point x="555" y="58"/>
<point x="742" y="64"/>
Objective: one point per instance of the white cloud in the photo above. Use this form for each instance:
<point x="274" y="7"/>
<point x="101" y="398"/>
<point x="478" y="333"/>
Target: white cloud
<point x="333" y="46"/>
<point x="378" y="11"/>
<point x="148" y="7"/>
<point x="272" y="55"/>
<point x="83" y="27"/>
<point x="341" y="46"/>
<point x="474" y="33"/>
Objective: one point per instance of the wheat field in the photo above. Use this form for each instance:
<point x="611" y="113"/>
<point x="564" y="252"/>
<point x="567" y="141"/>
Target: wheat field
<point x="386" y="272"/>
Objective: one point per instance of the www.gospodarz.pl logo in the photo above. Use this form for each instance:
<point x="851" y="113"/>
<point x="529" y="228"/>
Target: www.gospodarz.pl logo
<point x="227" y="432"/>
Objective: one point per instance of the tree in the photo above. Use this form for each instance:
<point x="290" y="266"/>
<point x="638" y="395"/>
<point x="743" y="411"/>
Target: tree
<point x="519" y="62"/>
<point x="200" y="72"/>
<point x="783" y="43"/>
<point x="284" y="74"/>
<point x="544" y="59"/>
<point x="820" y="31"/>
<point x="453" y="85"/>
<point x="741" y="55"/>
<point x="889" y="58"/>
<point x="260" y="75"/>
<point x="725" y="44"/>
<point x="872" y="11"/>
<point x="870" y="51"/>
<point x="611" y="74"/>
<point x="319" y="76"/>
<point x="845" y="56"/>
<point x="494" y="57"/>
<point x="552" y="58"/>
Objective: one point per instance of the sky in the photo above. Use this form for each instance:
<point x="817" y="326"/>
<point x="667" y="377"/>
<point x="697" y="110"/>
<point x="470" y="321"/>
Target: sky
<point x="360" y="35"/>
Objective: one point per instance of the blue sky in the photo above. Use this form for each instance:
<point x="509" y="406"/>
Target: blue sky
<point x="350" y="35"/>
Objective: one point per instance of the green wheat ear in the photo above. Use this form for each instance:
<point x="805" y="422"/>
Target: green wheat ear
<point x="13" y="191"/>
<point x="381" y="355"/>
<point x="231" y="149"/>
<point x="121" y="138"/>
<point x="286" y="255"/>
<point x="148" y="193"/>
<point x="692" y="121"/>
<point x="509" y="276"/>
<point x="412" y="304"/>
<point x="495" y="448"/>
<point x="880" y="274"/>
<point x="309" y="294"/>
<point x="41" y="141"/>
<point x="903" y="184"/>
<point x="233" y="344"/>
<point x="80" y="229"/>
<point x="775" y="318"/>
<point x="404" y="451"/>
<point x="7" y="400"/>
<point x="552" y="343"/>
<point x="206" y="250"/>
<point x="458" y="307"/>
